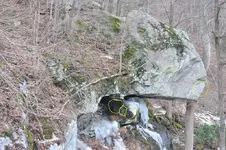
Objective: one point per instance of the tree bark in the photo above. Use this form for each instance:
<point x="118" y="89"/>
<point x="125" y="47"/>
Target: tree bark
<point x="219" y="74"/>
<point x="169" y="111"/>
<point x="189" y="125"/>
<point x="115" y="7"/>
<point x="204" y="36"/>
<point x="221" y="103"/>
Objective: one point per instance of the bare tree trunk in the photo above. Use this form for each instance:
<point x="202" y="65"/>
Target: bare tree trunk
<point x="115" y="7"/>
<point x="148" y="6"/>
<point x="71" y="18"/>
<point x="51" y="9"/>
<point x="56" y="13"/>
<point x="119" y="8"/>
<point x="221" y="103"/>
<point x="219" y="74"/>
<point x="204" y="36"/>
<point x="105" y="4"/>
<point x="171" y="12"/>
<point x="189" y="125"/>
<point x="56" y="17"/>
<point x="34" y="24"/>
<point x="169" y="111"/>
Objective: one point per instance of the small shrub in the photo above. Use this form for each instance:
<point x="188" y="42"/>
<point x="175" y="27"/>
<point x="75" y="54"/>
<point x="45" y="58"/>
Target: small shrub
<point x="206" y="134"/>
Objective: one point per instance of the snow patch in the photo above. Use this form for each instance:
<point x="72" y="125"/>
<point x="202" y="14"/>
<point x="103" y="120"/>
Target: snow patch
<point x="81" y="145"/>
<point x="71" y="139"/>
<point x="206" y="117"/>
<point x="5" y="141"/>
<point x="20" y="138"/>
<point x="105" y="129"/>
<point x="119" y="144"/>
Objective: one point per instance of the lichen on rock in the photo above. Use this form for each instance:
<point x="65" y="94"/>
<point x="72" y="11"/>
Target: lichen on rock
<point x="161" y="59"/>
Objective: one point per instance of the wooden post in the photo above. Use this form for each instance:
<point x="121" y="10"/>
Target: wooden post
<point x="189" y="125"/>
<point x="169" y="111"/>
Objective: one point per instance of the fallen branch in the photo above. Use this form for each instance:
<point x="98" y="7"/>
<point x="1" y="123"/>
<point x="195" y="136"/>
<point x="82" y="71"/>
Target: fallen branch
<point x="101" y="79"/>
<point x="10" y="41"/>
<point x="89" y="84"/>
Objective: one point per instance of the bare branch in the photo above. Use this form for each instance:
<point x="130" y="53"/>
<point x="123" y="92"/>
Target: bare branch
<point x="194" y="17"/>
<point x="166" y="12"/>
<point x="222" y="3"/>
<point x="91" y="83"/>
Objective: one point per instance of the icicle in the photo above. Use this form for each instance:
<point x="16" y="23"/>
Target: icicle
<point x="71" y="136"/>
<point x="146" y="133"/>
<point x="105" y="128"/>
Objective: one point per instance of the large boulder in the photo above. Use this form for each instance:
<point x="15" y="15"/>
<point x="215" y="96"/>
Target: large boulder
<point x="160" y="60"/>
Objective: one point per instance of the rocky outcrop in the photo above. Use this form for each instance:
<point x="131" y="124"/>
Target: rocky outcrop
<point x="160" y="60"/>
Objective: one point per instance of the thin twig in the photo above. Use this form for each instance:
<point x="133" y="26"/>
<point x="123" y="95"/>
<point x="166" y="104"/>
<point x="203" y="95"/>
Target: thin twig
<point x="91" y="83"/>
<point x="13" y="43"/>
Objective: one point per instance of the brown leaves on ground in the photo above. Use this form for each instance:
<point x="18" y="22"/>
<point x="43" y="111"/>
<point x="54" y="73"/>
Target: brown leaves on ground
<point x="27" y="41"/>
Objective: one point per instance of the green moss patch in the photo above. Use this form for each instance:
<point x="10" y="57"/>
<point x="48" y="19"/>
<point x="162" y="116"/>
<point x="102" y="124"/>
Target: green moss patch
<point x="137" y="62"/>
<point x="2" y="64"/>
<point x="83" y="26"/>
<point x="115" y="24"/>
<point x="8" y="133"/>
<point x="141" y="30"/>
<point x="139" y="66"/>
<point x="131" y="49"/>
<point x="124" y="83"/>
<point x="30" y="139"/>
<point x="206" y="134"/>
<point x="165" y="38"/>
<point x="47" y="127"/>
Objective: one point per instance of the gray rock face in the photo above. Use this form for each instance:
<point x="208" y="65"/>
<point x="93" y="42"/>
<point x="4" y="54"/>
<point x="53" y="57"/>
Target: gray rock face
<point x="162" y="60"/>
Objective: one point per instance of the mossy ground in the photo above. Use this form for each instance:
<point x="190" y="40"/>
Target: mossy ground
<point x="47" y="127"/>
<point x="30" y="139"/>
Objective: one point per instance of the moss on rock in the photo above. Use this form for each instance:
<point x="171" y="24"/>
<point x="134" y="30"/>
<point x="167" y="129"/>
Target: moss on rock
<point x="131" y="50"/>
<point x="164" y="37"/>
<point x="124" y="83"/>
<point x="141" y="30"/>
